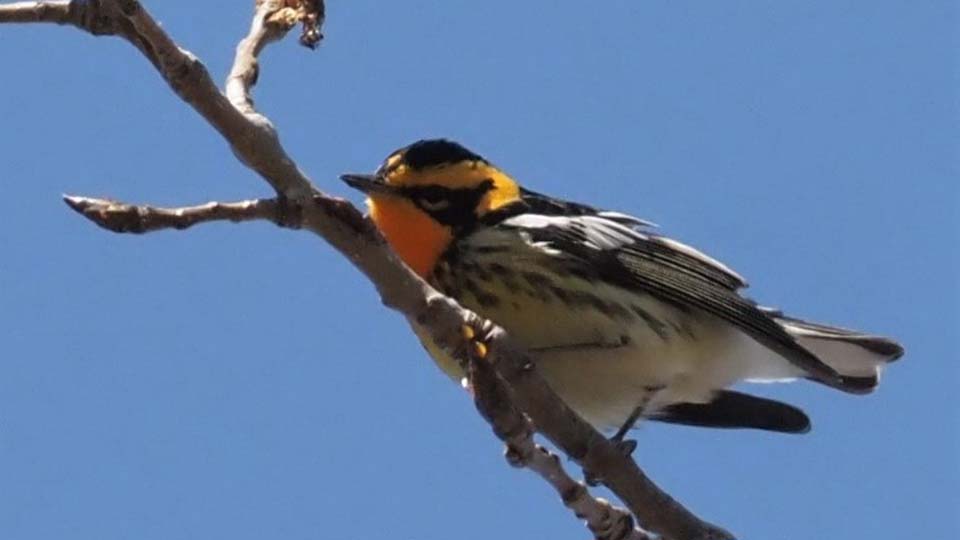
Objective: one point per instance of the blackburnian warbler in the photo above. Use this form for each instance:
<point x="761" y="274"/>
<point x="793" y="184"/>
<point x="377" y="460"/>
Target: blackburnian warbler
<point x="623" y="323"/>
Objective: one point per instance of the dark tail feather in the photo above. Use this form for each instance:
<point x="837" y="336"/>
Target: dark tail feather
<point x="736" y="410"/>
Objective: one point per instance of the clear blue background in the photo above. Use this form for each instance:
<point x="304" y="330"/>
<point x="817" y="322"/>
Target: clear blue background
<point x="244" y="382"/>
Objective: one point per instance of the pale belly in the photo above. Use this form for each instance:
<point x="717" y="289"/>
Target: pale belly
<point x="606" y="351"/>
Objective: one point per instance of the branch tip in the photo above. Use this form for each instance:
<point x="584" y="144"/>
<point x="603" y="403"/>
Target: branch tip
<point x="72" y="201"/>
<point x="310" y="13"/>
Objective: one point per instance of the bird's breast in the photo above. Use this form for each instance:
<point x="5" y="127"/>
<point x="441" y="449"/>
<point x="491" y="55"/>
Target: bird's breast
<point x="604" y="349"/>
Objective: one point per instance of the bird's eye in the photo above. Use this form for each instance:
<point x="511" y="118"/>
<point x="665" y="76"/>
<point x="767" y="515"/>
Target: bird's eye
<point x="433" y="198"/>
<point x="433" y="202"/>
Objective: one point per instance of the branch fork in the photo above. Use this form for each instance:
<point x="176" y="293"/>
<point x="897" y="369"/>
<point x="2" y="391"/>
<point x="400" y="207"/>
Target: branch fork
<point x="507" y="388"/>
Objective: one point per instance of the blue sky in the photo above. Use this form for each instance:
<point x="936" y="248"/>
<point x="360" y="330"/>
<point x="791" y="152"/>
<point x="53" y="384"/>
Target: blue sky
<point x="244" y="382"/>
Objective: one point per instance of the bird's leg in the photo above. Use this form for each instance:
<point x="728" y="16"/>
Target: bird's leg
<point x="618" y="438"/>
<point x="627" y="446"/>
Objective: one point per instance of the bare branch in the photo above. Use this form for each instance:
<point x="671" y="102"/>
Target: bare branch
<point x="272" y="20"/>
<point x="245" y="66"/>
<point x="32" y="12"/>
<point x="128" y="218"/>
<point x="83" y="15"/>
<point x="256" y="143"/>
<point x="493" y="400"/>
<point x="253" y="139"/>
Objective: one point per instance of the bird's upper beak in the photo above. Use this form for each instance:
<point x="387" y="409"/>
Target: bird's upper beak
<point x="371" y="184"/>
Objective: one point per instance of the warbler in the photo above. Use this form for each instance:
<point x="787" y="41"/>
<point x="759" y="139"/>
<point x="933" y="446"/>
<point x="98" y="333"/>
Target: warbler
<point x="622" y="322"/>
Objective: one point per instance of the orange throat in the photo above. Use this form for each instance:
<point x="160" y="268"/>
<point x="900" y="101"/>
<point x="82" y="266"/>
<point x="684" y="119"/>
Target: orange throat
<point x="414" y="236"/>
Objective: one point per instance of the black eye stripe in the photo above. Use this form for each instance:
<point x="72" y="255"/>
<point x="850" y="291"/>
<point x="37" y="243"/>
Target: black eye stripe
<point x="436" y="193"/>
<point x="460" y="210"/>
<point x="433" y="193"/>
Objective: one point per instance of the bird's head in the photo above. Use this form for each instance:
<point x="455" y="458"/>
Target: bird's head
<point x="427" y="194"/>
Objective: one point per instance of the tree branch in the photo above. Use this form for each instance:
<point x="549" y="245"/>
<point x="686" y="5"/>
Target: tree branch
<point x="493" y="400"/>
<point x="32" y="12"/>
<point x="255" y="142"/>
<point x="83" y="15"/>
<point x="128" y="218"/>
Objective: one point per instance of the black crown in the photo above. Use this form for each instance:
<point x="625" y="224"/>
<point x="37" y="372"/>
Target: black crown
<point x="432" y="152"/>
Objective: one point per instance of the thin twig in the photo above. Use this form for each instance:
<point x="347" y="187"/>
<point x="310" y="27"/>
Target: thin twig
<point x="128" y="218"/>
<point x="32" y="12"/>
<point x="243" y="76"/>
<point x="84" y="15"/>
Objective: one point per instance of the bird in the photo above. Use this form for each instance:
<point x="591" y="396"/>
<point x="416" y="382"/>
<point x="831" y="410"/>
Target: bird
<point x="624" y="323"/>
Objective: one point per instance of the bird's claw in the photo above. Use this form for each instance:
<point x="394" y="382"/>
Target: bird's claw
<point x="475" y="334"/>
<point x="624" y="446"/>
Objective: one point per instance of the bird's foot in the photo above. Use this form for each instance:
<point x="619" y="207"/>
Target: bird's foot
<point x="624" y="446"/>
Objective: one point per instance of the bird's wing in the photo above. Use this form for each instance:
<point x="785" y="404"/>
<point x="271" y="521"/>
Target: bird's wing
<point x="538" y="203"/>
<point x="667" y="251"/>
<point x="604" y="249"/>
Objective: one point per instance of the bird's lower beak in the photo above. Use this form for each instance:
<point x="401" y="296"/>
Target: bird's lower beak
<point x="370" y="184"/>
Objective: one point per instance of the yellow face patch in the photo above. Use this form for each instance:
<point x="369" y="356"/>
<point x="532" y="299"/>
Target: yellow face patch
<point x="461" y="175"/>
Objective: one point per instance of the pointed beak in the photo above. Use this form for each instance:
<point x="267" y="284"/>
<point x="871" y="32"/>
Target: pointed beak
<point x="370" y="184"/>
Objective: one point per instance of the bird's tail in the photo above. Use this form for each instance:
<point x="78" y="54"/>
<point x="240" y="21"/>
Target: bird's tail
<point x="858" y="357"/>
